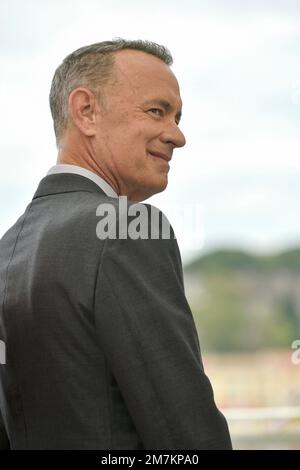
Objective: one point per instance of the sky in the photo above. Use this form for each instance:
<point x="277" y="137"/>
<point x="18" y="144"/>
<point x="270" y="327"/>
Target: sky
<point x="236" y="183"/>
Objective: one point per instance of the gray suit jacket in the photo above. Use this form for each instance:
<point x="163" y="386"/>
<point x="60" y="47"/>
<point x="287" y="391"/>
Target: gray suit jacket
<point x="101" y="346"/>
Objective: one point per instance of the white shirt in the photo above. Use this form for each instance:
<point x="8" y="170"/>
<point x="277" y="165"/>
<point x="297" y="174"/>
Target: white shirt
<point x="78" y="170"/>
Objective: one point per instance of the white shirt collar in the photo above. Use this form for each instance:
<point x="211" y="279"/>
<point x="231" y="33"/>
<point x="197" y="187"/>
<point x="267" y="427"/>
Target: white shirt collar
<point x="78" y="170"/>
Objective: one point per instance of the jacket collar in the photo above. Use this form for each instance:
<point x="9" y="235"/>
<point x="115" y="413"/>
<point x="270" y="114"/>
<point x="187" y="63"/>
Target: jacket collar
<point x="66" y="183"/>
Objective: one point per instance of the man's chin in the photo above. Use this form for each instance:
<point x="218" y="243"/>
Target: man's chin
<point x="145" y="194"/>
<point x="159" y="188"/>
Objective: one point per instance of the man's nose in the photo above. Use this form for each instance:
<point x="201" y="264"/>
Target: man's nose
<point x="174" y="136"/>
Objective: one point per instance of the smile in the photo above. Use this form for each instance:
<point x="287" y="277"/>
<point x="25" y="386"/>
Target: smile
<point x="160" y="157"/>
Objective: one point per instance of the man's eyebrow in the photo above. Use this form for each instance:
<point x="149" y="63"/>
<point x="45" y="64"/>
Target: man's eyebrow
<point x="166" y="105"/>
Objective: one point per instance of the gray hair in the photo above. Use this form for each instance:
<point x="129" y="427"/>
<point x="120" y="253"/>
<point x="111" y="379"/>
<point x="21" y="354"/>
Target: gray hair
<point x="91" y="66"/>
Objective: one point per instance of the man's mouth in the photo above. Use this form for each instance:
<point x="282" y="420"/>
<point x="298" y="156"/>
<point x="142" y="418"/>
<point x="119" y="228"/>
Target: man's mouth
<point x="163" y="156"/>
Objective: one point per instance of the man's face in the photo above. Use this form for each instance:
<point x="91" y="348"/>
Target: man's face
<point x="137" y="125"/>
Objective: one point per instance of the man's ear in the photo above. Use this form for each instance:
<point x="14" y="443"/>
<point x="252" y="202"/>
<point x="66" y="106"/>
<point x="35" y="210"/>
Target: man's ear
<point x="82" y="110"/>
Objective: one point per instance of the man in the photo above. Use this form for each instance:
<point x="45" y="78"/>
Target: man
<point x="101" y="346"/>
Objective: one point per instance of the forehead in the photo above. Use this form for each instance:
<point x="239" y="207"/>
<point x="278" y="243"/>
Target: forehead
<point x="144" y="76"/>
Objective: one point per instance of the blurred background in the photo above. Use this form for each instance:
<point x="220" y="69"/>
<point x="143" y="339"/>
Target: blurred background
<point x="233" y="190"/>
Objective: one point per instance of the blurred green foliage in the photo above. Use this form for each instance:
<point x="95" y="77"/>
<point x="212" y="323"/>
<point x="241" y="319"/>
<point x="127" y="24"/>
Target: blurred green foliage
<point x="244" y="302"/>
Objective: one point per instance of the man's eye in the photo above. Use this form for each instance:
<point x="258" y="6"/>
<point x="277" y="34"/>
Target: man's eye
<point x="156" y="111"/>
